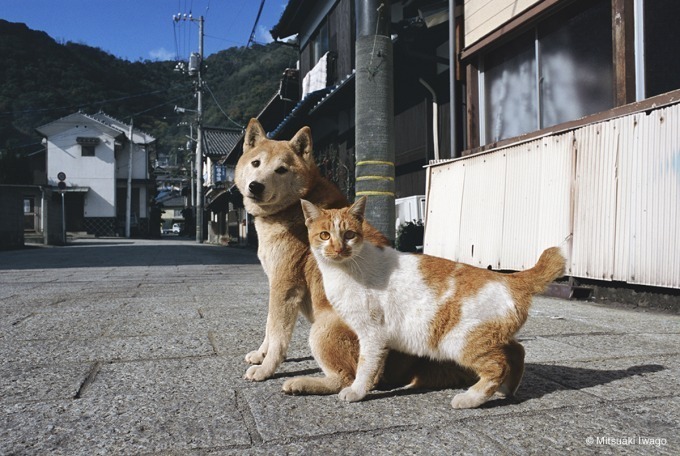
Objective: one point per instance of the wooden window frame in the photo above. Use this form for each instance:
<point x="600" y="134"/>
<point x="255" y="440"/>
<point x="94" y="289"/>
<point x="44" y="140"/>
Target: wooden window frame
<point x="623" y="55"/>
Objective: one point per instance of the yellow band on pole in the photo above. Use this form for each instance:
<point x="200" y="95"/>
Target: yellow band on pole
<point x="362" y="178"/>
<point x="371" y="193"/>
<point x="374" y="162"/>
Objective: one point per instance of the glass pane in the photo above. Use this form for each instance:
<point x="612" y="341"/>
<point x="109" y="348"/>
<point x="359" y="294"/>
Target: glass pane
<point x="577" y="75"/>
<point x="510" y="90"/>
<point x="662" y="46"/>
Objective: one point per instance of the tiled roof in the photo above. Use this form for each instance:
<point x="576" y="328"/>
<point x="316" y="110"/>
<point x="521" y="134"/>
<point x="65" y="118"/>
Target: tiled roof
<point x="299" y="111"/>
<point x="219" y="141"/>
<point x="108" y="124"/>
<point x="139" y="136"/>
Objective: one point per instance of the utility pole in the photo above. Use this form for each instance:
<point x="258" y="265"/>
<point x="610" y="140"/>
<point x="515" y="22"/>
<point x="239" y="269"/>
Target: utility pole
<point x="199" y="138"/>
<point x="374" y="118"/>
<point x="195" y="67"/>
<point x="128" y="200"/>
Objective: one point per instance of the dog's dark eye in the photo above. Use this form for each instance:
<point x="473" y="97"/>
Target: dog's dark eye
<point x="255" y="163"/>
<point x="281" y="170"/>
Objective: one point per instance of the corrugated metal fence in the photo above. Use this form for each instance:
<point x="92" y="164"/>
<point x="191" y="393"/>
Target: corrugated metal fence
<point x="614" y="184"/>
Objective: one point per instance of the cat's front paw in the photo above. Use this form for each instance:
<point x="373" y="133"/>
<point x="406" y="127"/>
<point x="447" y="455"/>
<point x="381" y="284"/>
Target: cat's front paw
<point x="255" y="357"/>
<point x="468" y="399"/>
<point x="350" y="395"/>
<point x="256" y="374"/>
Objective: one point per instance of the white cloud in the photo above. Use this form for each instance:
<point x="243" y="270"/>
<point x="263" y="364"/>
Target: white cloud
<point x="161" y="54"/>
<point x="262" y="34"/>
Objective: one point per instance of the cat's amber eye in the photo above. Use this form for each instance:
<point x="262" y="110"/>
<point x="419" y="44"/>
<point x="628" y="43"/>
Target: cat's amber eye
<point x="349" y="235"/>
<point x="325" y="235"/>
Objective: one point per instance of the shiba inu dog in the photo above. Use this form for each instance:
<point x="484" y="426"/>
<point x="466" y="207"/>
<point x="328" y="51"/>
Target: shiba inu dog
<point x="273" y="176"/>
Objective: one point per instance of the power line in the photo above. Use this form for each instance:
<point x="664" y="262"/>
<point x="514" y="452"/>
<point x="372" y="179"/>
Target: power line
<point x="111" y="100"/>
<point x="205" y="84"/>
<point x="257" y="19"/>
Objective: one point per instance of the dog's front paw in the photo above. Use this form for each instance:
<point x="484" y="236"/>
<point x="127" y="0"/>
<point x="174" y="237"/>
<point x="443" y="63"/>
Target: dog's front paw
<point x="255" y="357"/>
<point x="293" y="386"/>
<point x="350" y="395"/>
<point x="256" y="374"/>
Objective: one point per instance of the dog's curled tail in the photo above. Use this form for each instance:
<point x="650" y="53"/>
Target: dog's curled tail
<point x="549" y="267"/>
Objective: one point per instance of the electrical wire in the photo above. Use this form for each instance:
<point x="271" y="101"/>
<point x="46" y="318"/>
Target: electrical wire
<point x="93" y="103"/>
<point x="257" y="19"/>
<point x="220" y="107"/>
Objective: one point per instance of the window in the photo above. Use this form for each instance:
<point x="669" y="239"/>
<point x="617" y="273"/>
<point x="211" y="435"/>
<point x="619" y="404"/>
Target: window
<point x="86" y="151"/>
<point x="318" y="44"/>
<point x="558" y="71"/>
<point x="87" y="145"/>
<point x="658" y="47"/>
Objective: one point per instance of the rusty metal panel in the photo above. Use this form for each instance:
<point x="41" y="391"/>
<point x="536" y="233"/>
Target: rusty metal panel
<point x="615" y="185"/>
<point x="482" y="210"/>
<point x="648" y="240"/>
<point x="465" y="209"/>
<point x="538" y="199"/>
<point x="597" y="148"/>
<point x="444" y="199"/>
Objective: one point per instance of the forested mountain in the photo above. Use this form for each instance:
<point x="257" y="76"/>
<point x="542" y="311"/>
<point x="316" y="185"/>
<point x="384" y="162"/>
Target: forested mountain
<point x="42" y="80"/>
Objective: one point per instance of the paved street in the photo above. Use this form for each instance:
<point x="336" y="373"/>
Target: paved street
<point x="114" y="346"/>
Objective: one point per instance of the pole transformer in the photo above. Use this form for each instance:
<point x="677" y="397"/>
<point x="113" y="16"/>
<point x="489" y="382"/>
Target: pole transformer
<point x="374" y="118"/>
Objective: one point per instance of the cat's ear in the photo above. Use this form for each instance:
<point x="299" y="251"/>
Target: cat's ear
<point x="310" y="211"/>
<point x="358" y="208"/>
<point x="254" y="134"/>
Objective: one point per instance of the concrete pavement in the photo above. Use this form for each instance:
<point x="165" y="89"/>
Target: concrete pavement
<point x="114" y="346"/>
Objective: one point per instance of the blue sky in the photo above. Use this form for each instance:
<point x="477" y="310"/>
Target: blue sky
<point x="144" y="29"/>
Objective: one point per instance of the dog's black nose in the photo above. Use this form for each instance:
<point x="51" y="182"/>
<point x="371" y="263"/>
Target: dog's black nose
<point x="256" y="188"/>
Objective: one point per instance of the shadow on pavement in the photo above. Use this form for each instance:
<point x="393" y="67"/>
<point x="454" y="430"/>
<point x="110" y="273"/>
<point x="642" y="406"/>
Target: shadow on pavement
<point x="562" y="378"/>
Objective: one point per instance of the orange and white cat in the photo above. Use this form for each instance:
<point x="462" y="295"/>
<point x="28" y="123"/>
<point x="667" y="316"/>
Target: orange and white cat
<point x="423" y="305"/>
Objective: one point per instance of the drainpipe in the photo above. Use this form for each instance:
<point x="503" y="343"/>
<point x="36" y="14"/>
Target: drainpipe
<point x="435" y="117"/>
<point x="453" y="105"/>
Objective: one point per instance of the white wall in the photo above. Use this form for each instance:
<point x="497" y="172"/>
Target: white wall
<point x="139" y="162"/>
<point x="482" y="17"/>
<point x="96" y="172"/>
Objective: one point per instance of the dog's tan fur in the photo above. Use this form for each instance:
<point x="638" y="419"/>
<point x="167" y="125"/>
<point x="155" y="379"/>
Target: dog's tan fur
<point x="273" y="176"/>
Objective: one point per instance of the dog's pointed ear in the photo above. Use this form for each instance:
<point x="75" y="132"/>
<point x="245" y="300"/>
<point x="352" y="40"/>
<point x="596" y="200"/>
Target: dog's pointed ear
<point x="358" y="208"/>
<point x="302" y="143"/>
<point x="254" y="134"/>
<point x="310" y="211"/>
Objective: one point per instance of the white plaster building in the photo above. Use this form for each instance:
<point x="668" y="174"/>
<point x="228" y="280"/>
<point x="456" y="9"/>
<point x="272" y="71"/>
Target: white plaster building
<point x="93" y="152"/>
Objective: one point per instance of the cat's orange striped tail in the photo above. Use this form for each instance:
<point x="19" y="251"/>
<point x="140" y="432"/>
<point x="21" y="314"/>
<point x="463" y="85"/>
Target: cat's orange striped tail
<point x="549" y="267"/>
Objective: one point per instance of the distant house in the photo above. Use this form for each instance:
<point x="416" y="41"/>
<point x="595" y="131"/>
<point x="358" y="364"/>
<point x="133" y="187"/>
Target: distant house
<point x="218" y="179"/>
<point x="92" y="155"/>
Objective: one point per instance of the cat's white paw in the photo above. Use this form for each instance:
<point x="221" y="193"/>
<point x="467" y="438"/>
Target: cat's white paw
<point x="255" y="357"/>
<point x="349" y="395"/>
<point x="468" y="399"/>
<point x="256" y="374"/>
